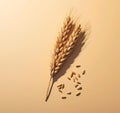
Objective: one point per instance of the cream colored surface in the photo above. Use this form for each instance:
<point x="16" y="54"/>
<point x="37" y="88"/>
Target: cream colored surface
<point x="28" y="30"/>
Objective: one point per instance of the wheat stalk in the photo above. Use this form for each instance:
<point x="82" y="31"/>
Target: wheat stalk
<point x="64" y="45"/>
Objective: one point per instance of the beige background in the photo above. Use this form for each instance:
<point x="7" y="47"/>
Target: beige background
<point x="28" y="30"/>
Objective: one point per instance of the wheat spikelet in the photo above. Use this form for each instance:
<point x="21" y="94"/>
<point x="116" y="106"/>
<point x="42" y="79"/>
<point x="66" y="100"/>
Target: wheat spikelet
<point x="64" y="46"/>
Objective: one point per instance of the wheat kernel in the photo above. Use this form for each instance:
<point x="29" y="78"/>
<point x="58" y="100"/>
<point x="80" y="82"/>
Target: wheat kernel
<point x="78" y="94"/>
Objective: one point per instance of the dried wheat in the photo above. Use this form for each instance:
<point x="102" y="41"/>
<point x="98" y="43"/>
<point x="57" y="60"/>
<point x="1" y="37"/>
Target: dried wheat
<point x="64" y="46"/>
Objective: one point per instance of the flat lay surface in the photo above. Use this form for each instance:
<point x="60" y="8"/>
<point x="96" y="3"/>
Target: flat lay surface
<point x="28" y="32"/>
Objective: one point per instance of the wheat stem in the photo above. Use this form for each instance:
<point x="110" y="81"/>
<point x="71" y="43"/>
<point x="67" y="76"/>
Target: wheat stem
<point x="49" y="88"/>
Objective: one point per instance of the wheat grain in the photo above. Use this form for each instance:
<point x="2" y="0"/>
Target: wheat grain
<point x="79" y="76"/>
<point x="78" y="94"/>
<point x="64" y="97"/>
<point x="76" y="86"/>
<point x="80" y="88"/>
<point x="78" y="83"/>
<point x="68" y="78"/>
<point x="69" y="93"/>
<point x="77" y="66"/>
<point x="83" y="72"/>
<point x="60" y="91"/>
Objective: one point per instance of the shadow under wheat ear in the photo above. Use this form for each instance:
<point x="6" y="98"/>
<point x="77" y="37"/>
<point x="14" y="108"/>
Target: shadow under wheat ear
<point x="64" y="47"/>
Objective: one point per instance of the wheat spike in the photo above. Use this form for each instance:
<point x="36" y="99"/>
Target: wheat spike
<point x="64" y="45"/>
<point x="60" y="43"/>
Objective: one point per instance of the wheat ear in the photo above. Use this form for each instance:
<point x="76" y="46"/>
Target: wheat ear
<point x="64" y="46"/>
<point x="62" y="39"/>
